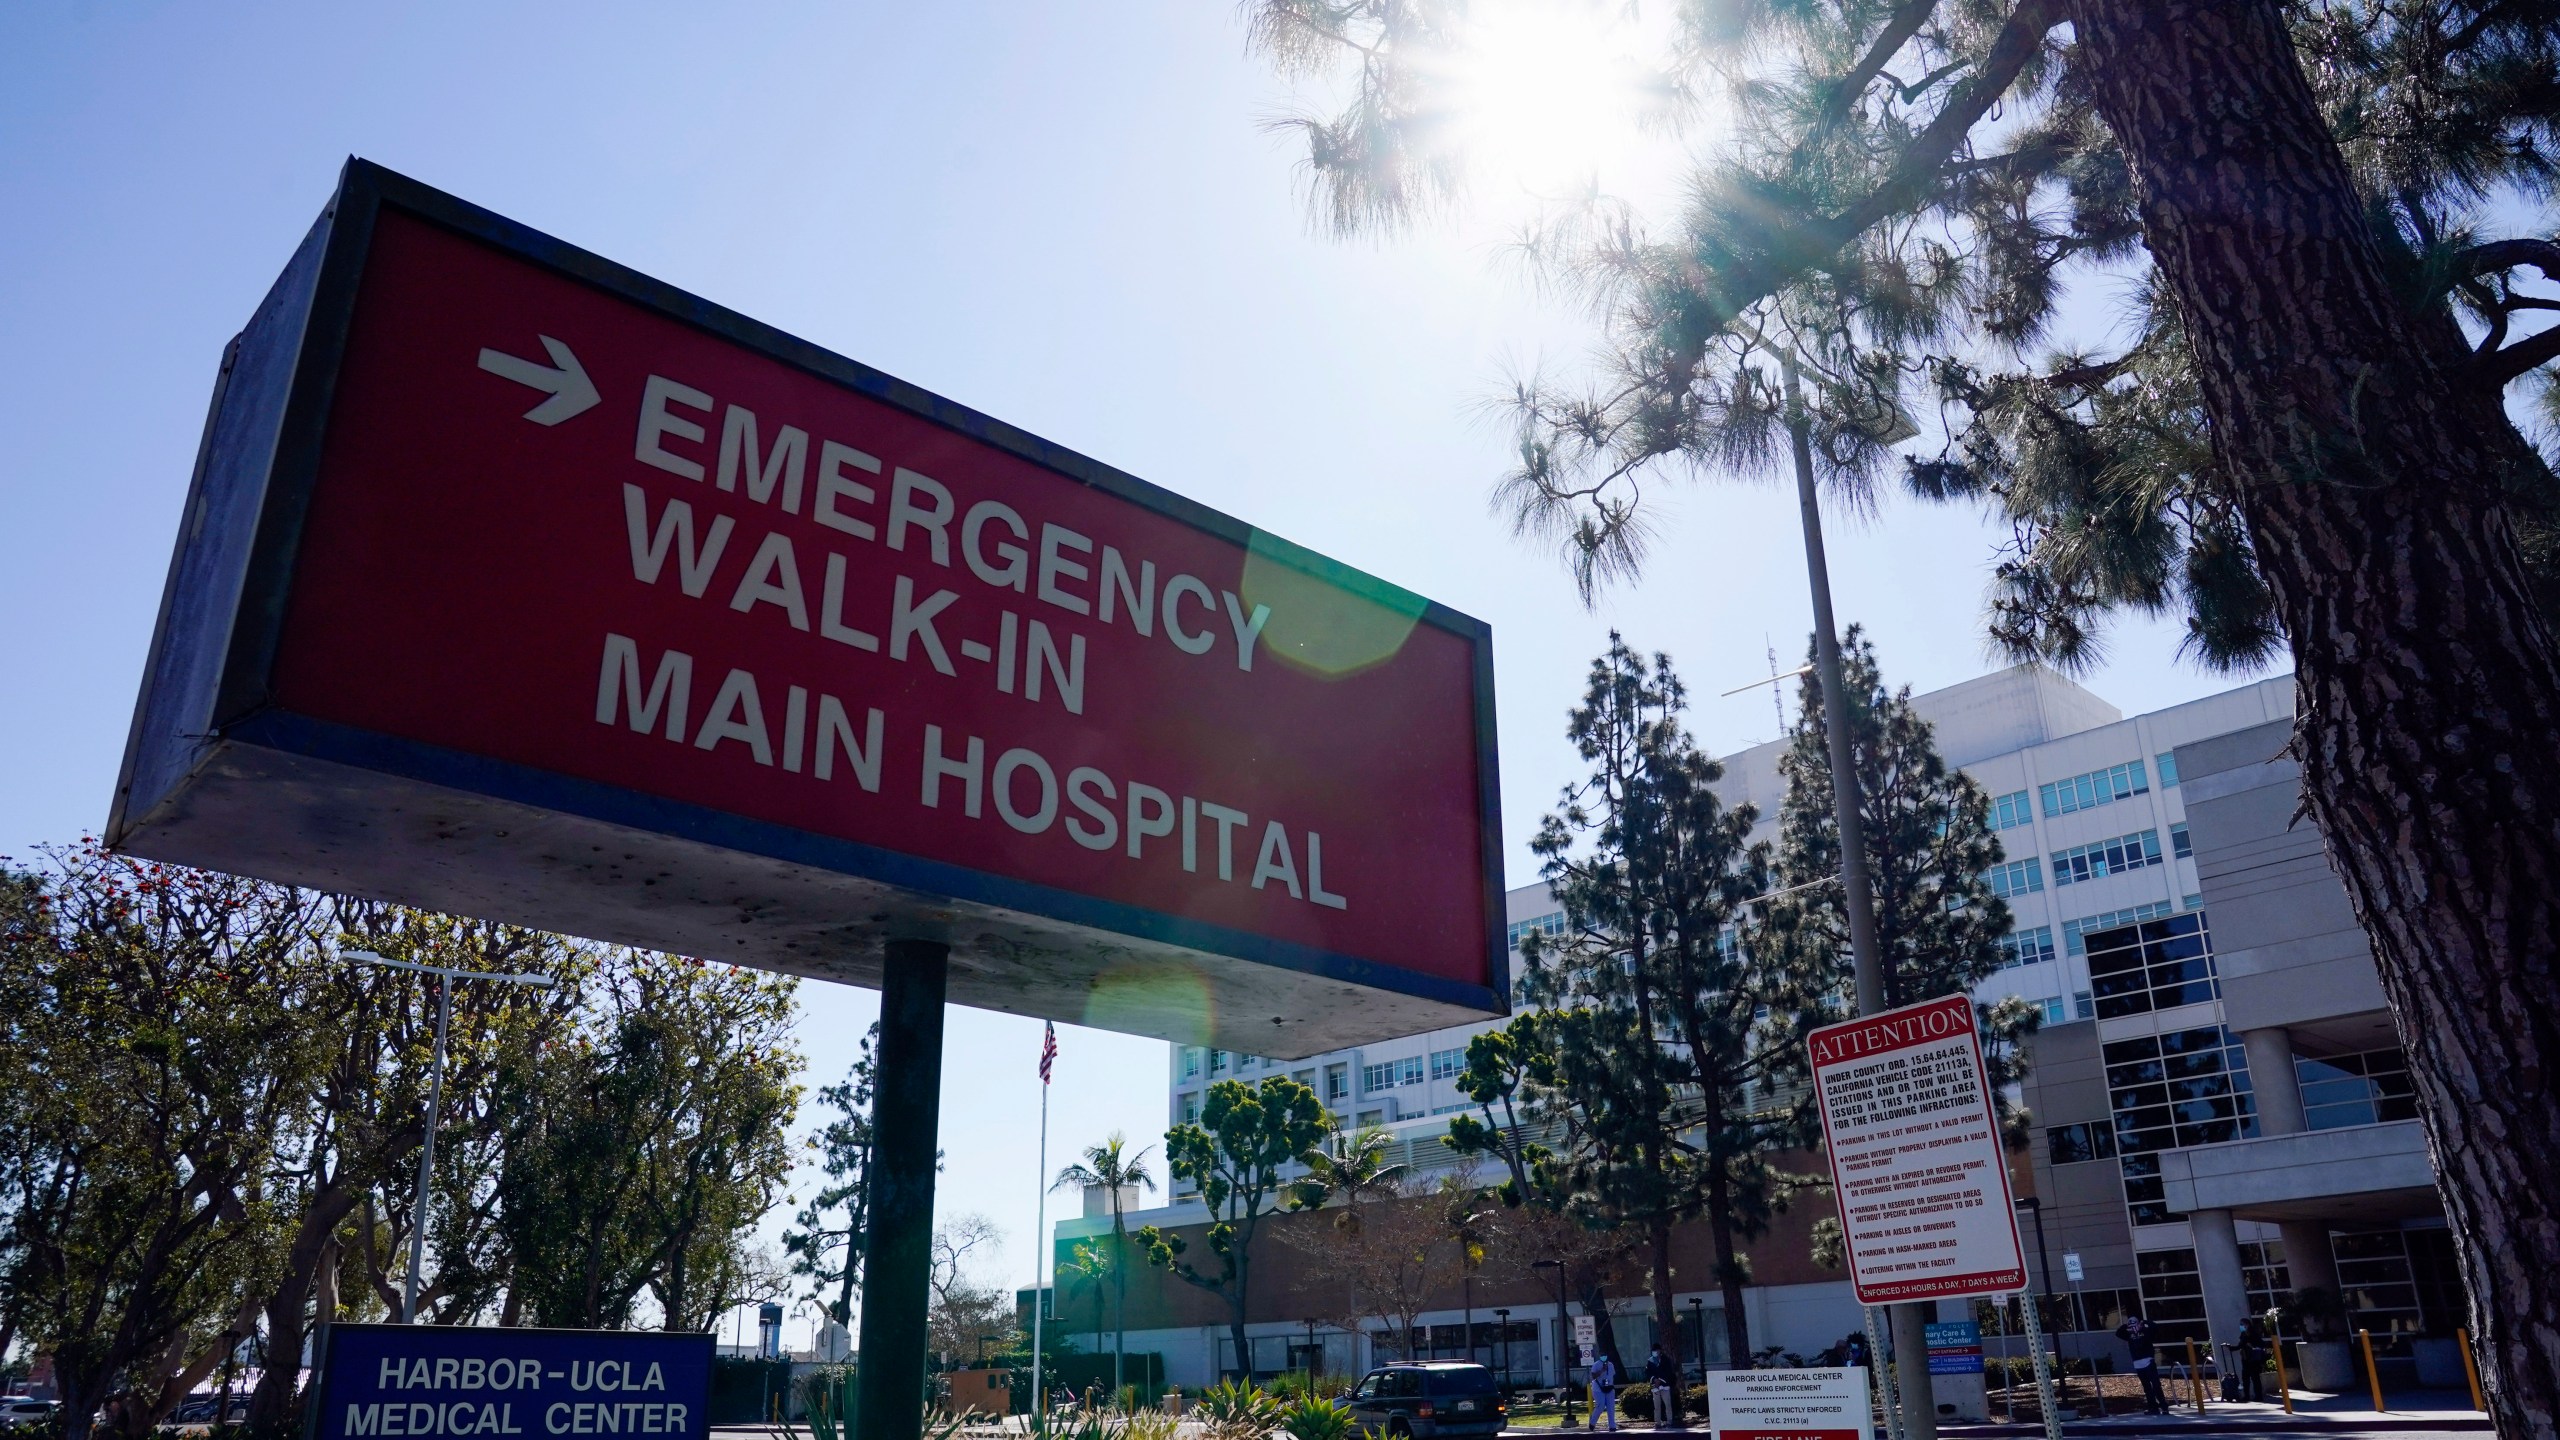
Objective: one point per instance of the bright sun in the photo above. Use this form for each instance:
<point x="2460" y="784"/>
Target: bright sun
<point x="1549" y="91"/>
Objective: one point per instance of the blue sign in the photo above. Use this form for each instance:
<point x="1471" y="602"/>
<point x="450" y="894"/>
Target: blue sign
<point x="437" y="1381"/>
<point x="1955" y="1347"/>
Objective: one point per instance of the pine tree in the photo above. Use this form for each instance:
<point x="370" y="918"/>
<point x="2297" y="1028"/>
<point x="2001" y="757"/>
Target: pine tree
<point x="1930" y="848"/>
<point x="827" y="1246"/>
<point x="2302" y="444"/>
<point x="1658" y="1062"/>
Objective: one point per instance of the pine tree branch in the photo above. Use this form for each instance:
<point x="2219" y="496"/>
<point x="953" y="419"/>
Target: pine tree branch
<point x="2495" y="368"/>
<point x="1789" y="251"/>
<point x="2479" y="260"/>
<point x="1897" y="32"/>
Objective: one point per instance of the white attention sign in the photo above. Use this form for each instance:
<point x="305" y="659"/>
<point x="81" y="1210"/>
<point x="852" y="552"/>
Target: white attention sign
<point x="1916" y="1163"/>
<point x="1789" y="1404"/>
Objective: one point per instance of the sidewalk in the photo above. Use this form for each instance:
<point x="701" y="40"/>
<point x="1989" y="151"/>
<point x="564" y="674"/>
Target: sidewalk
<point x="2411" y="1412"/>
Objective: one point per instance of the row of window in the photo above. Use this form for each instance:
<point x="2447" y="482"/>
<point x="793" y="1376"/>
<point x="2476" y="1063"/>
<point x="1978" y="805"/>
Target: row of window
<point x="1551" y="923"/>
<point x="2098" y="787"/>
<point x="2083" y="792"/>
<point x="2101" y="858"/>
<point x="2055" y="1012"/>
<point x="2360" y="1089"/>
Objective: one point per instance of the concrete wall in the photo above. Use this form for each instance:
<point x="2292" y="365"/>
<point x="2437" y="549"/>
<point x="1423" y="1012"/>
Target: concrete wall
<point x="2284" y="937"/>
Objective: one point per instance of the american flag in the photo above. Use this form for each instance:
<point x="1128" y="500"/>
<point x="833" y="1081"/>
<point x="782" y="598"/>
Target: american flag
<point x="1048" y="1050"/>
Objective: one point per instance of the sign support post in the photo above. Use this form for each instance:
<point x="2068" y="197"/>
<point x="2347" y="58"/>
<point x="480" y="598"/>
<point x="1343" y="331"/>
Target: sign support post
<point x="1884" y="1374"/>
<point x="897" y="1256"/>
<point x="2044" y="1369"/>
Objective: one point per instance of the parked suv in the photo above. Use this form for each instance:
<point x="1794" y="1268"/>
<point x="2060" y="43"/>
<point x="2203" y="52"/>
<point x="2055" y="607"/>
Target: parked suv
<point x="1426" y="1400"/>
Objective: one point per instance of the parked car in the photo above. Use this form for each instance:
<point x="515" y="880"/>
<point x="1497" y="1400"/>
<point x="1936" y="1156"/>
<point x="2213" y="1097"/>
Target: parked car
<point x="1428" y="1399"/>
<point x="199" y="1410"/>
<point x="17" y="1412"/>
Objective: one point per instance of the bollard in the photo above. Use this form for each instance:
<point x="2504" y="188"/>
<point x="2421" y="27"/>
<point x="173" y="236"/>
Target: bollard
<point x="2284" y="1385"/>
<point x="2195" y="1375"/>
<point x="2470" y="1370"/>
<point x="2372" y="1376"/>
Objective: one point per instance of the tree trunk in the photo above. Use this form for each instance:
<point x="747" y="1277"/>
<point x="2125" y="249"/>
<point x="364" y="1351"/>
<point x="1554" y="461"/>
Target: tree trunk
<point x="1737" y="1325"/>
<point x="1666" y="1315"/>
<point x="2371" y="473"/>
<point x="273" y="1406"/>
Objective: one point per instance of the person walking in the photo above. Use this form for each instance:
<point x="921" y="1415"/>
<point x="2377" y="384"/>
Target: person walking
<point x="1853" y="1352"/>
<point x="2139" y="1337"/>
<point x="1604" y="1391"/>
<point x="1659" y="1369"/>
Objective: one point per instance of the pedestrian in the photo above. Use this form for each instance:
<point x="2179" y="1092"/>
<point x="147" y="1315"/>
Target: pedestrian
<point x="1659" y="1369"/>
<point x="2253" y="1359"/>
<point x="2139" y="1337"/>
<point x="1604" y="1392"/>
<point x="1854" y="1350"/>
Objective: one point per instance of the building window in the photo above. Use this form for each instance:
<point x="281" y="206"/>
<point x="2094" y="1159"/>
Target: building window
<point x="2027" y="947"/>
<point x="1217" y="1062"/>
<point x="2189" y="1087"/>
<point x="2138" y="851"/>
<point x="1372" y="1119"/>
<point x="2015" y="878"/>
<point x="1191" y="1107"/>
<point x="2179" y="844"/>
<point x="1337" y="1083"/>
<point x="1551" y="923"/>
<point x="2168" y="762"/>
<point x="2075" y="933"/>
<point x="2146" y="1200"/>
<point x="2155" y="965"/>
<point x="2010" y="811"/>
<point x="1190" y="1062"/>
<point x="2263" y="1275"/>
<point x="1448" y="1064"/>
<point x="2053" y="1011"/>
<point x="2098" y="787"/>
<point x="2082" y="1006"/>
<point x="2361" y="1089"/>
<point x="2172" y="1294"/>
<point x="1388" y="1074"/>
<point x="2072" y="1144"/>
<point x="1304" y="1077"/>
<point x="2378" y="1284"/>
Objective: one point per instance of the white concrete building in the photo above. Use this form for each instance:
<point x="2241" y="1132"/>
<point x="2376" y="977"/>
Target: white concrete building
<point x="2089" y="809"/>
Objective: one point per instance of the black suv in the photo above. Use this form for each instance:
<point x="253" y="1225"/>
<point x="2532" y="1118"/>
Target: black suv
<point x="1428" y="1399"/>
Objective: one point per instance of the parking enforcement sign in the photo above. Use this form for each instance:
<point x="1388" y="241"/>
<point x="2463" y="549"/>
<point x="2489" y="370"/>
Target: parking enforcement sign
<point x="1916" y="1164"/>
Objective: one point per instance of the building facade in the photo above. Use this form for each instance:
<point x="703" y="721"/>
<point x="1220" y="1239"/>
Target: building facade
<point x="2184" y="944"/>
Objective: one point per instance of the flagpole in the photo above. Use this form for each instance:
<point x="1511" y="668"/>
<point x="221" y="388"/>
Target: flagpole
<point x="1040" y="1238"/>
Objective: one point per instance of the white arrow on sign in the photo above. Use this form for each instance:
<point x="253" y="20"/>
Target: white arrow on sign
<point x="571" y="391"/>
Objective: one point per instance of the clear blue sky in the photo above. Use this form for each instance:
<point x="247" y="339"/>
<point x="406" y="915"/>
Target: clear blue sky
<point x="1067" y="216"/>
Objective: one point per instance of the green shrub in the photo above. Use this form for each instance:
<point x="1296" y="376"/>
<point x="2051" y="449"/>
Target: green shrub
<point x="1237" y="1410"/>
<point x="1315" y="1418"/>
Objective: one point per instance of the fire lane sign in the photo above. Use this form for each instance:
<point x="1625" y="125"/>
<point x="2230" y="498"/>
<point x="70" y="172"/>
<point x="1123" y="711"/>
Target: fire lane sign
<point x="515" y="584"/>
<point x="1916" y="1162"/>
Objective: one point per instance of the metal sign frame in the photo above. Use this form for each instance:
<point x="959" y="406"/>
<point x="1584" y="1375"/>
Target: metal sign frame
<point x="208" y="736"/>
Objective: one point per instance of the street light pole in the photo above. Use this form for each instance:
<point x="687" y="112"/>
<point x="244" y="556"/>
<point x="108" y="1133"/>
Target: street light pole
<point x="1502" y="1338"/>
<point x="1564" y="1329"/>
<point x="1910" y="1321"/>
<point x="435" y="1103"/>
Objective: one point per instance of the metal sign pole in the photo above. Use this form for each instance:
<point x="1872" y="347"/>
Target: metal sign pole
<point x="1883" y="1374"/>
<point x="2044" y="1370"/>
<point x="897" y="1257"/>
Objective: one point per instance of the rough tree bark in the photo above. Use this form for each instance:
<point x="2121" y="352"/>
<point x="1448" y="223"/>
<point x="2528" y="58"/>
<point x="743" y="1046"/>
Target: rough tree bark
<point x="2371" y="471"/>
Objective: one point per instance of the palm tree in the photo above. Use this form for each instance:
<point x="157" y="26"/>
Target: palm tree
<point x="1117" y="1169"/>
<point x="1352" y="1168"/>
